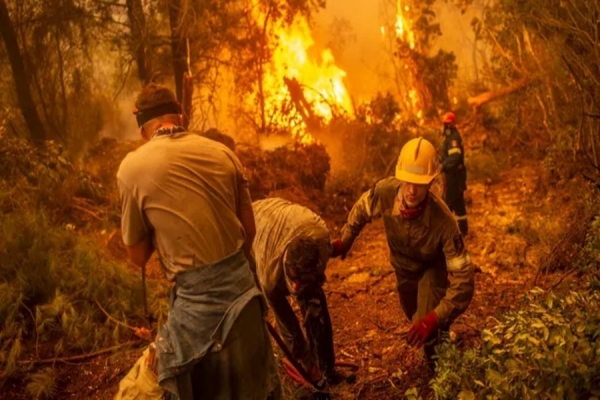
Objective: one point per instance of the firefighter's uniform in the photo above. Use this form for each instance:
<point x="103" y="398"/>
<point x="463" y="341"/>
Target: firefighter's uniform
<point x="453" y="166"/>
<point x="432" y="266"/>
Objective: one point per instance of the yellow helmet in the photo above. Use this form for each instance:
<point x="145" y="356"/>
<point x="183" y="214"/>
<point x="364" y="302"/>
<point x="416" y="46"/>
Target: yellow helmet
<point x="417" y="162"/>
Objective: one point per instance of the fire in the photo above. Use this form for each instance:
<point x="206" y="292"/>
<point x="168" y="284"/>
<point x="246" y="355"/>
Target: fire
<point x="321" y="81"/>
<point x="402" y="31"/>
<point x="404" y="25"/>
<point x="405" y="33"/>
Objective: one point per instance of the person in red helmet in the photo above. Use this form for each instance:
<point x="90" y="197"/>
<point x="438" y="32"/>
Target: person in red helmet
<point x="453" y="167"/>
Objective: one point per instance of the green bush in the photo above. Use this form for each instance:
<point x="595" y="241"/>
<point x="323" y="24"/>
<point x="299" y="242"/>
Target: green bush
<point x="51" y="285"/>
<point x="547" y="349"/>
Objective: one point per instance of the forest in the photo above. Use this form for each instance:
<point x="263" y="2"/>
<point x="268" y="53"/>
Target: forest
<point x="317" y="98"/>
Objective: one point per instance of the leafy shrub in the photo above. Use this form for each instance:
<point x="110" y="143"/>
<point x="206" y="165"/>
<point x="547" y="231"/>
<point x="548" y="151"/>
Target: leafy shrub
<point x="41" y="177"/>
<point x="42" y="384"/>
<point x="22" y="159"/>
<point x="548" y="349"/>
<point x="299" y="166"/>
<point x="51" y="285"/>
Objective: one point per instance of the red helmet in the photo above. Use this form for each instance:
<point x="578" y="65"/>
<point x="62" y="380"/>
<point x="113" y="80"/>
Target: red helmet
<point x="449" y="118"/>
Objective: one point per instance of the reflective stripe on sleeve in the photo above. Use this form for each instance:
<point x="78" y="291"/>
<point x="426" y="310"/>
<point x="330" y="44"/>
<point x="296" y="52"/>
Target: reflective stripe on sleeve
<point x="460" y="218"/>
<point x="454" y="150"/>
<point x="458" y="264"/>
<point x="368" y="209"/>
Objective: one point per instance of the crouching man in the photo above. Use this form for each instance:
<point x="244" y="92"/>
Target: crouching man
<point x="434" y="275"/>
<point x="291" y="250"/>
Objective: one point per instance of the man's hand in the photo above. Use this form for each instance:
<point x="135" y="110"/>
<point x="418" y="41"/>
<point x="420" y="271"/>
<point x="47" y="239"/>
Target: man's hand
<point x="339" y="249"/>
<point x="143" y="333"/>
<point x="422" y="329"/>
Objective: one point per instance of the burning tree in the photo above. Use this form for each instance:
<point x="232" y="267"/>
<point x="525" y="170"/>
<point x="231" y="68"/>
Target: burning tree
<point x="284" y="86"/>
<point x="422" y="80"/>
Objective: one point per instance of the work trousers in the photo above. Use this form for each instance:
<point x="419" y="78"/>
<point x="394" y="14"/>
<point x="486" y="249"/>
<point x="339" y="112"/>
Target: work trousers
<point x="455" y="200"/>
<point x="420" y="293"/>
<point x="239" y="369"/>
<point x="318" y="329"/>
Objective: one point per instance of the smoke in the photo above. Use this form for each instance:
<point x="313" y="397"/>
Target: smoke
<point x="353" y="32"/>
<point x="120" y="122"/>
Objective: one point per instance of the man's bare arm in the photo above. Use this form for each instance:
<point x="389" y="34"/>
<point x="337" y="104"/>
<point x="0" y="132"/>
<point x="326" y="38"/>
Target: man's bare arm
<point x="246" y="216"/>
<point x="140" y="253"/>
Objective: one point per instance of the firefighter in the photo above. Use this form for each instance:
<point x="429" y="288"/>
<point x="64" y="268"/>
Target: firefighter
<point x="453" y="167"/>
<point x="291" y="251"/>
<point x="434" y="275"/>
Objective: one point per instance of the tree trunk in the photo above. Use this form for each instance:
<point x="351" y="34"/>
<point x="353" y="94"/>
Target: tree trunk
<point x="26" y="103"/>
<point x="486" y="97"/>
<point x="186" y="102"/>
<point x="138" y="42"/>
<point x="178" y="47"/>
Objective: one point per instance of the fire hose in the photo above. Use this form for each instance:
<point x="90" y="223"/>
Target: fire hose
<point x="297" y="372"/>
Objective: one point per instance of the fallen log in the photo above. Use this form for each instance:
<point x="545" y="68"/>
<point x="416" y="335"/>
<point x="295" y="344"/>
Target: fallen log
<point x="483" y="98"/>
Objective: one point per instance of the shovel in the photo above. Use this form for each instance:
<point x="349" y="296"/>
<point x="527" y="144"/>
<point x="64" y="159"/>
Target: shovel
<point x="303" y="378"/>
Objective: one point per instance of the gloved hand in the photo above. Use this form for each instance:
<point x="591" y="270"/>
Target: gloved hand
<point x="339" y="249"/>
<point x="422" y="329"/>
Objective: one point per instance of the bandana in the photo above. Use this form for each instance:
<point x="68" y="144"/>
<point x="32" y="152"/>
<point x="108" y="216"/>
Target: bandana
<point x="143" y="116"/>
<point x="411" y="213"/>
<point x="168" y="130"/>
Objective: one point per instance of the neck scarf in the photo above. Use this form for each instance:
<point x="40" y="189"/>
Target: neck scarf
<point x="411" y="213"/>
<point x="168" y="130"/>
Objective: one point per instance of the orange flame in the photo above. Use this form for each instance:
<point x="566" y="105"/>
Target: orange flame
<point x="404" y="25"/>
<point x="322" y="81"/>
<point x="405" y="33"/>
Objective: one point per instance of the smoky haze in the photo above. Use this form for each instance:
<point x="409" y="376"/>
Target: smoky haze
<point x="352" y="30"/>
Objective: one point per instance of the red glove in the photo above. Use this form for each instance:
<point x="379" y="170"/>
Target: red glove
<point x="339" y="249"/>
<point x="421" y="330"/>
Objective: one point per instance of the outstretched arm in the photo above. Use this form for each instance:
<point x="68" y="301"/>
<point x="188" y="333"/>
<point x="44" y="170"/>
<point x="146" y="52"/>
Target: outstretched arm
<point x="366" y="209"/>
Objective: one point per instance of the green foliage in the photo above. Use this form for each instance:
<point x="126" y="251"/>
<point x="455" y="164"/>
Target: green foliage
<point x="57" y="41"/>
<point x="547" y="349"/>
<point x="41" y="177"/>
<point x="42" y="384"/>
<point x="22" y="160"/>
<point x="51" y="281"/>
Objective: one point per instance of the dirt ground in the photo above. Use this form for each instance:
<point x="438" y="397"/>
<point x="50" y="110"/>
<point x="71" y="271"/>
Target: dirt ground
<point x="364" y="306"/>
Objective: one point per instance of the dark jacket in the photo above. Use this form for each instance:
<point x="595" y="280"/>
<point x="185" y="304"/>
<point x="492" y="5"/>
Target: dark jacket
<point x="453" y="160"/>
